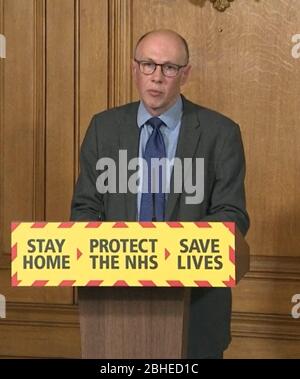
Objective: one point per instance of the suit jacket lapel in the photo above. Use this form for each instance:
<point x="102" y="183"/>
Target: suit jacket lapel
<point x="188" y="139"/>
<point x="129" y="141"/>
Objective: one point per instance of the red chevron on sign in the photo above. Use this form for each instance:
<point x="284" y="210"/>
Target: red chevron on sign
<point x="94" y="283"/>
<point x="40" y="224"/>
<point x="67" y="224"/>
<point x="147" y="224"/>
<point x="120" y="225"/>
<point x="93" y="224"/>
<point x="67" y="283"/>
<point x="120" y="283"/>
<point x="231" y="254"/>
<point x="14" y="280"/>
<point x="147" y="283"/>
<point x="174" y="224"/>
<point x="39" y="283"/>
<point x="78" y="254"/>
<point x="14" y="252"/>
<point x="230" y="282"/>
<point x="203" y="283"/>
<point x="202" y="224"/>
<point x="14" y="226"/>
<point x="174" y="283"/>
<point x="230" y="225"/>
<point x="167" y="253"/>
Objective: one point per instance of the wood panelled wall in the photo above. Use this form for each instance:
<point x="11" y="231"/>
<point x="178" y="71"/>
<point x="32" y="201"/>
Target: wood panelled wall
<point x="68" y="59"/>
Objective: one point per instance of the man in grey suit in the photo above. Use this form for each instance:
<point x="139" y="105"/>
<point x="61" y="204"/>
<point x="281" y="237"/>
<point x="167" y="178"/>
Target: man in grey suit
<point x="160" y="68"/>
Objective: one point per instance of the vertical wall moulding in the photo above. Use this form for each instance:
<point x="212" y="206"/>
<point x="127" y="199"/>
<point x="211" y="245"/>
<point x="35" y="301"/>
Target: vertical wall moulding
<point x="76" y="102"/>
<point x="2" y="62"/>
<point x="39" y="102"/>
<point x="120" y="52"/>
<point x="76" y="88"/>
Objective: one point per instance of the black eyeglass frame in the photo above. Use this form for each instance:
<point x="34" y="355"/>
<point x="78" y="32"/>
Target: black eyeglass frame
<point x="162" y="65"/>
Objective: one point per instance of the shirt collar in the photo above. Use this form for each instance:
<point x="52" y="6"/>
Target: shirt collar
<point x="171" y="117"/>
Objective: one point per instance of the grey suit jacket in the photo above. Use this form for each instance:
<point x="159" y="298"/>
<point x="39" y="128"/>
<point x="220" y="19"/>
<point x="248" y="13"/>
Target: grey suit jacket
<point x="203" y="134"/>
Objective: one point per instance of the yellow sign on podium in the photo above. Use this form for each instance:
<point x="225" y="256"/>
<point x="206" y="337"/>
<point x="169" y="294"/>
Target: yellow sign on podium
<point x="138" y="254"/>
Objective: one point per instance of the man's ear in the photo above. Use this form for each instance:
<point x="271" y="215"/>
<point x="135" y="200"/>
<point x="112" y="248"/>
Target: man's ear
<point x="186" y="71"/>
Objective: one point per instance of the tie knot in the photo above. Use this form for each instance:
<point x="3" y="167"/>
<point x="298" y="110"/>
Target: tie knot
<point x="155" y="122"/>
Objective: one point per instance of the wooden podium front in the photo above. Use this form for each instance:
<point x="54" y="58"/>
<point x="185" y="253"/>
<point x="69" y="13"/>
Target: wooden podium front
<point x="133" y="322"/>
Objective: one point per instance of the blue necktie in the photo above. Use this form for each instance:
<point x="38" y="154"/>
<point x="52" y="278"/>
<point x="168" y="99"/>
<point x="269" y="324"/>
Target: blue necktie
<point x="153" y="203"/>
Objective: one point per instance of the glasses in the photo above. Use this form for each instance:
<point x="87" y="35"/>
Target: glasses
<point x="168" y="69"/>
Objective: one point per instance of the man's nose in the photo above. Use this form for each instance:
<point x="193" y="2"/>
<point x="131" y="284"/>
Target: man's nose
<point x="157" y="75"/>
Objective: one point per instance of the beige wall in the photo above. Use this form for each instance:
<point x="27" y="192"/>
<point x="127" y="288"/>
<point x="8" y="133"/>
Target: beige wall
<point x="67" y="59"/>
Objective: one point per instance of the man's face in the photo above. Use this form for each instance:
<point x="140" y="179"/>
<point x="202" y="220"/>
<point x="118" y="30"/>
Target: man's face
<point x="157" y="91"/>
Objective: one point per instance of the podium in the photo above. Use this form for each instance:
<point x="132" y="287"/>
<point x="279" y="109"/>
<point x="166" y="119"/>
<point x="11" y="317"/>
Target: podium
<point x="149" y="323"/>
<point x="129" y="323"/>
<point x="134" y="293"/>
